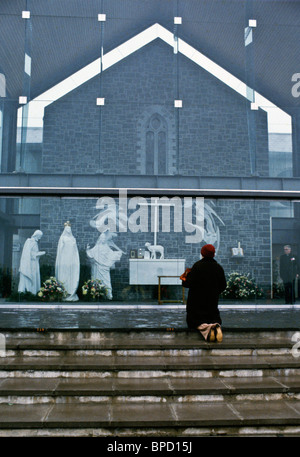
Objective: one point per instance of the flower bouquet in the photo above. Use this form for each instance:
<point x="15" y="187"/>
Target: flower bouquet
<point x="94" y="289"/>
<point x="52" y="290"/>
<point x="241" y="286"/>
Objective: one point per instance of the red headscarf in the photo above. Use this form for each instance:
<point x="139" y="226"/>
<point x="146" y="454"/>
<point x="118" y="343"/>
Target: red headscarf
<point x="208" y="250"/>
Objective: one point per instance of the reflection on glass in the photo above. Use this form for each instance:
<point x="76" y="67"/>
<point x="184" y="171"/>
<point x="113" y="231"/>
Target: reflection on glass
<point x="280" y="154"/>
<point x="103" y="256"/>
<point x="226" y="132"/>
<point x="156" y="145"/>
<point x="61" y="130"/>
<point x="30" y="279"/>
<point x="67" y="264"/>
<point x="2" y="95"/>
<point x="156" y="237"/>
<point x="1" y="135"/>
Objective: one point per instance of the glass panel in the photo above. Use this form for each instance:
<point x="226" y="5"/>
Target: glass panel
<point x="217" y="131"/>
<point x="42" y="145"/>
<point x="267" y="32"/>
<point x="94" y="73"/>
<point x="271" y="37"/>
<point x="1" y="135"/>
<point x="12" y="83"/>
<point x="138" y="125"/>
<point x="63" y="129"/>
<point x="129" y="242"/>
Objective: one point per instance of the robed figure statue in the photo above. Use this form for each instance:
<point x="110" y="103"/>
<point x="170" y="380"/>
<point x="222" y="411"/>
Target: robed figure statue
<point x="67" y="265"/>
<point x="104" y="255"/>
<point x="30" y="279"/>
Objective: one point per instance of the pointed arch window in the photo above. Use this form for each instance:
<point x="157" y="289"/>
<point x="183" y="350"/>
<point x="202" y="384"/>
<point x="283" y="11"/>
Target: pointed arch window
<point x="156" y="145"/>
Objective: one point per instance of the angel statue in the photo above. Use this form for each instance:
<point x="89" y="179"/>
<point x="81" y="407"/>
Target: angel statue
<point x="104" y="255"/>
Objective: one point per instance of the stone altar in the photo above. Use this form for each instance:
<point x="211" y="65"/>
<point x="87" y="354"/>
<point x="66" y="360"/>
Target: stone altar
<point x="142" y="271"/>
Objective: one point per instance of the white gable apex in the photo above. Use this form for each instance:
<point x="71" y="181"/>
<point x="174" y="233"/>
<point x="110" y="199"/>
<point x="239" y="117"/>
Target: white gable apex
<point x="278" y="120"/>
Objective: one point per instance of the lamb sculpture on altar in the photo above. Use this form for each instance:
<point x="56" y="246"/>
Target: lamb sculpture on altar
<point x="155" y="249"/>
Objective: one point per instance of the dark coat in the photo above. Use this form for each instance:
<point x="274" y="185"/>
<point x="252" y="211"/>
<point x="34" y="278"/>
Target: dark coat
<point x="288" y="267"/>
<point x="205" y="281"/>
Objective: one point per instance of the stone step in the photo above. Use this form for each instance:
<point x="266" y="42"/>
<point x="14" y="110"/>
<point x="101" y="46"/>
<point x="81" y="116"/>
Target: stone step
<point x="123" y="342"/>
<point x="153" y="382"/>
<point x="173" y="419"/>
<point x="125" y="336"/>
<point x="146" y="353"/>
<point x="123" y="366"/>
<point x="144" y="343"/>
<point x="154" y="390"/>
<point x="208" y="350"/>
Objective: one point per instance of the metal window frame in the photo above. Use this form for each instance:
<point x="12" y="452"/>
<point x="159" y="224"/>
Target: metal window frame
<point x="93" y="185"/>
<point x="148" y="192"/>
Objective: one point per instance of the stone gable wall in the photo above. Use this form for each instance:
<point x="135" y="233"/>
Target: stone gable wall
<point x="211" y="129"/>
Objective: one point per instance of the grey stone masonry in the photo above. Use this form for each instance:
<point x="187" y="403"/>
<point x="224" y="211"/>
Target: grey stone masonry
<point x="241" y="221"/>
<point x="210" y="130"/>
<point x="208" y="136"/>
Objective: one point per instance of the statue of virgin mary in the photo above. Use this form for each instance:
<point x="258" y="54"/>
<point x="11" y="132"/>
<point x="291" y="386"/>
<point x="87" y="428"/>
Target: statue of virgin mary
<point x="67" y="265"/>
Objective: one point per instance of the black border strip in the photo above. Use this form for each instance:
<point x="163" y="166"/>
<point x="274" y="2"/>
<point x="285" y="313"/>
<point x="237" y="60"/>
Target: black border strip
<point x="148" y="192"/>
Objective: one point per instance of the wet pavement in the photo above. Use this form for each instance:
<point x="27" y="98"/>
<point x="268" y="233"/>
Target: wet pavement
<point x="123" y="316"/>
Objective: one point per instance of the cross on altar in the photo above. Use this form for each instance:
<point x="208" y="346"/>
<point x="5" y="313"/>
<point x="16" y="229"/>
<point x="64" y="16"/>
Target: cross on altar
<point x="156" y="203"/>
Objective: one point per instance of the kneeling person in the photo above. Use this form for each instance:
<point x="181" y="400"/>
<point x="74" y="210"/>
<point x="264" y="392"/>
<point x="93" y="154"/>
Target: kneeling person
<point x="205" y="281"/>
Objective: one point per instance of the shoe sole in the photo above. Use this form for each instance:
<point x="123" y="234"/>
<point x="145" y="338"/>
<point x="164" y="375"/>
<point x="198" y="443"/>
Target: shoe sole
<point x="219" y="336"/>
<point x="212" y="336"/>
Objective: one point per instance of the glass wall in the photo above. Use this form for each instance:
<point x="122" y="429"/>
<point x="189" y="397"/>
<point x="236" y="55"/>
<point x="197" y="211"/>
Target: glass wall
<point x="130" y="245"/>
<point x="167" y="94"/>
<point x="1" y="134"/>
<point x="171" y="87"/>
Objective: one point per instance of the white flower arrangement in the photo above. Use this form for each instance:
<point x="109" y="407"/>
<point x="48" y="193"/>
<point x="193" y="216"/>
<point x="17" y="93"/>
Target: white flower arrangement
<point x="241" y="286"/>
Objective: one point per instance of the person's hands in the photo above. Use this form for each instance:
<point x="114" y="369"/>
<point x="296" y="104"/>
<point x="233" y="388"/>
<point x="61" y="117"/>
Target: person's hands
<point x="184" y="275"/>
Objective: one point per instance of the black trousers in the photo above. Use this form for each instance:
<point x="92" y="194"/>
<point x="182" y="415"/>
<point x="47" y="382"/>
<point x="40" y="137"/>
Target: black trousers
<point x="289" y="292"/>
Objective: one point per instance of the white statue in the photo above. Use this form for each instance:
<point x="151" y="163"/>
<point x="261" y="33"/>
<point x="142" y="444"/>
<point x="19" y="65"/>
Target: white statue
<point x="67" y="265"/>
<point x="104" y="258"/>
<point x="155" y="249"/>
<point x="30" y="279"/>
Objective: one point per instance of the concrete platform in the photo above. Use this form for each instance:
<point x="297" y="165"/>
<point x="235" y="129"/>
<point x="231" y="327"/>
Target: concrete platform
<point x="116" y="315"/>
